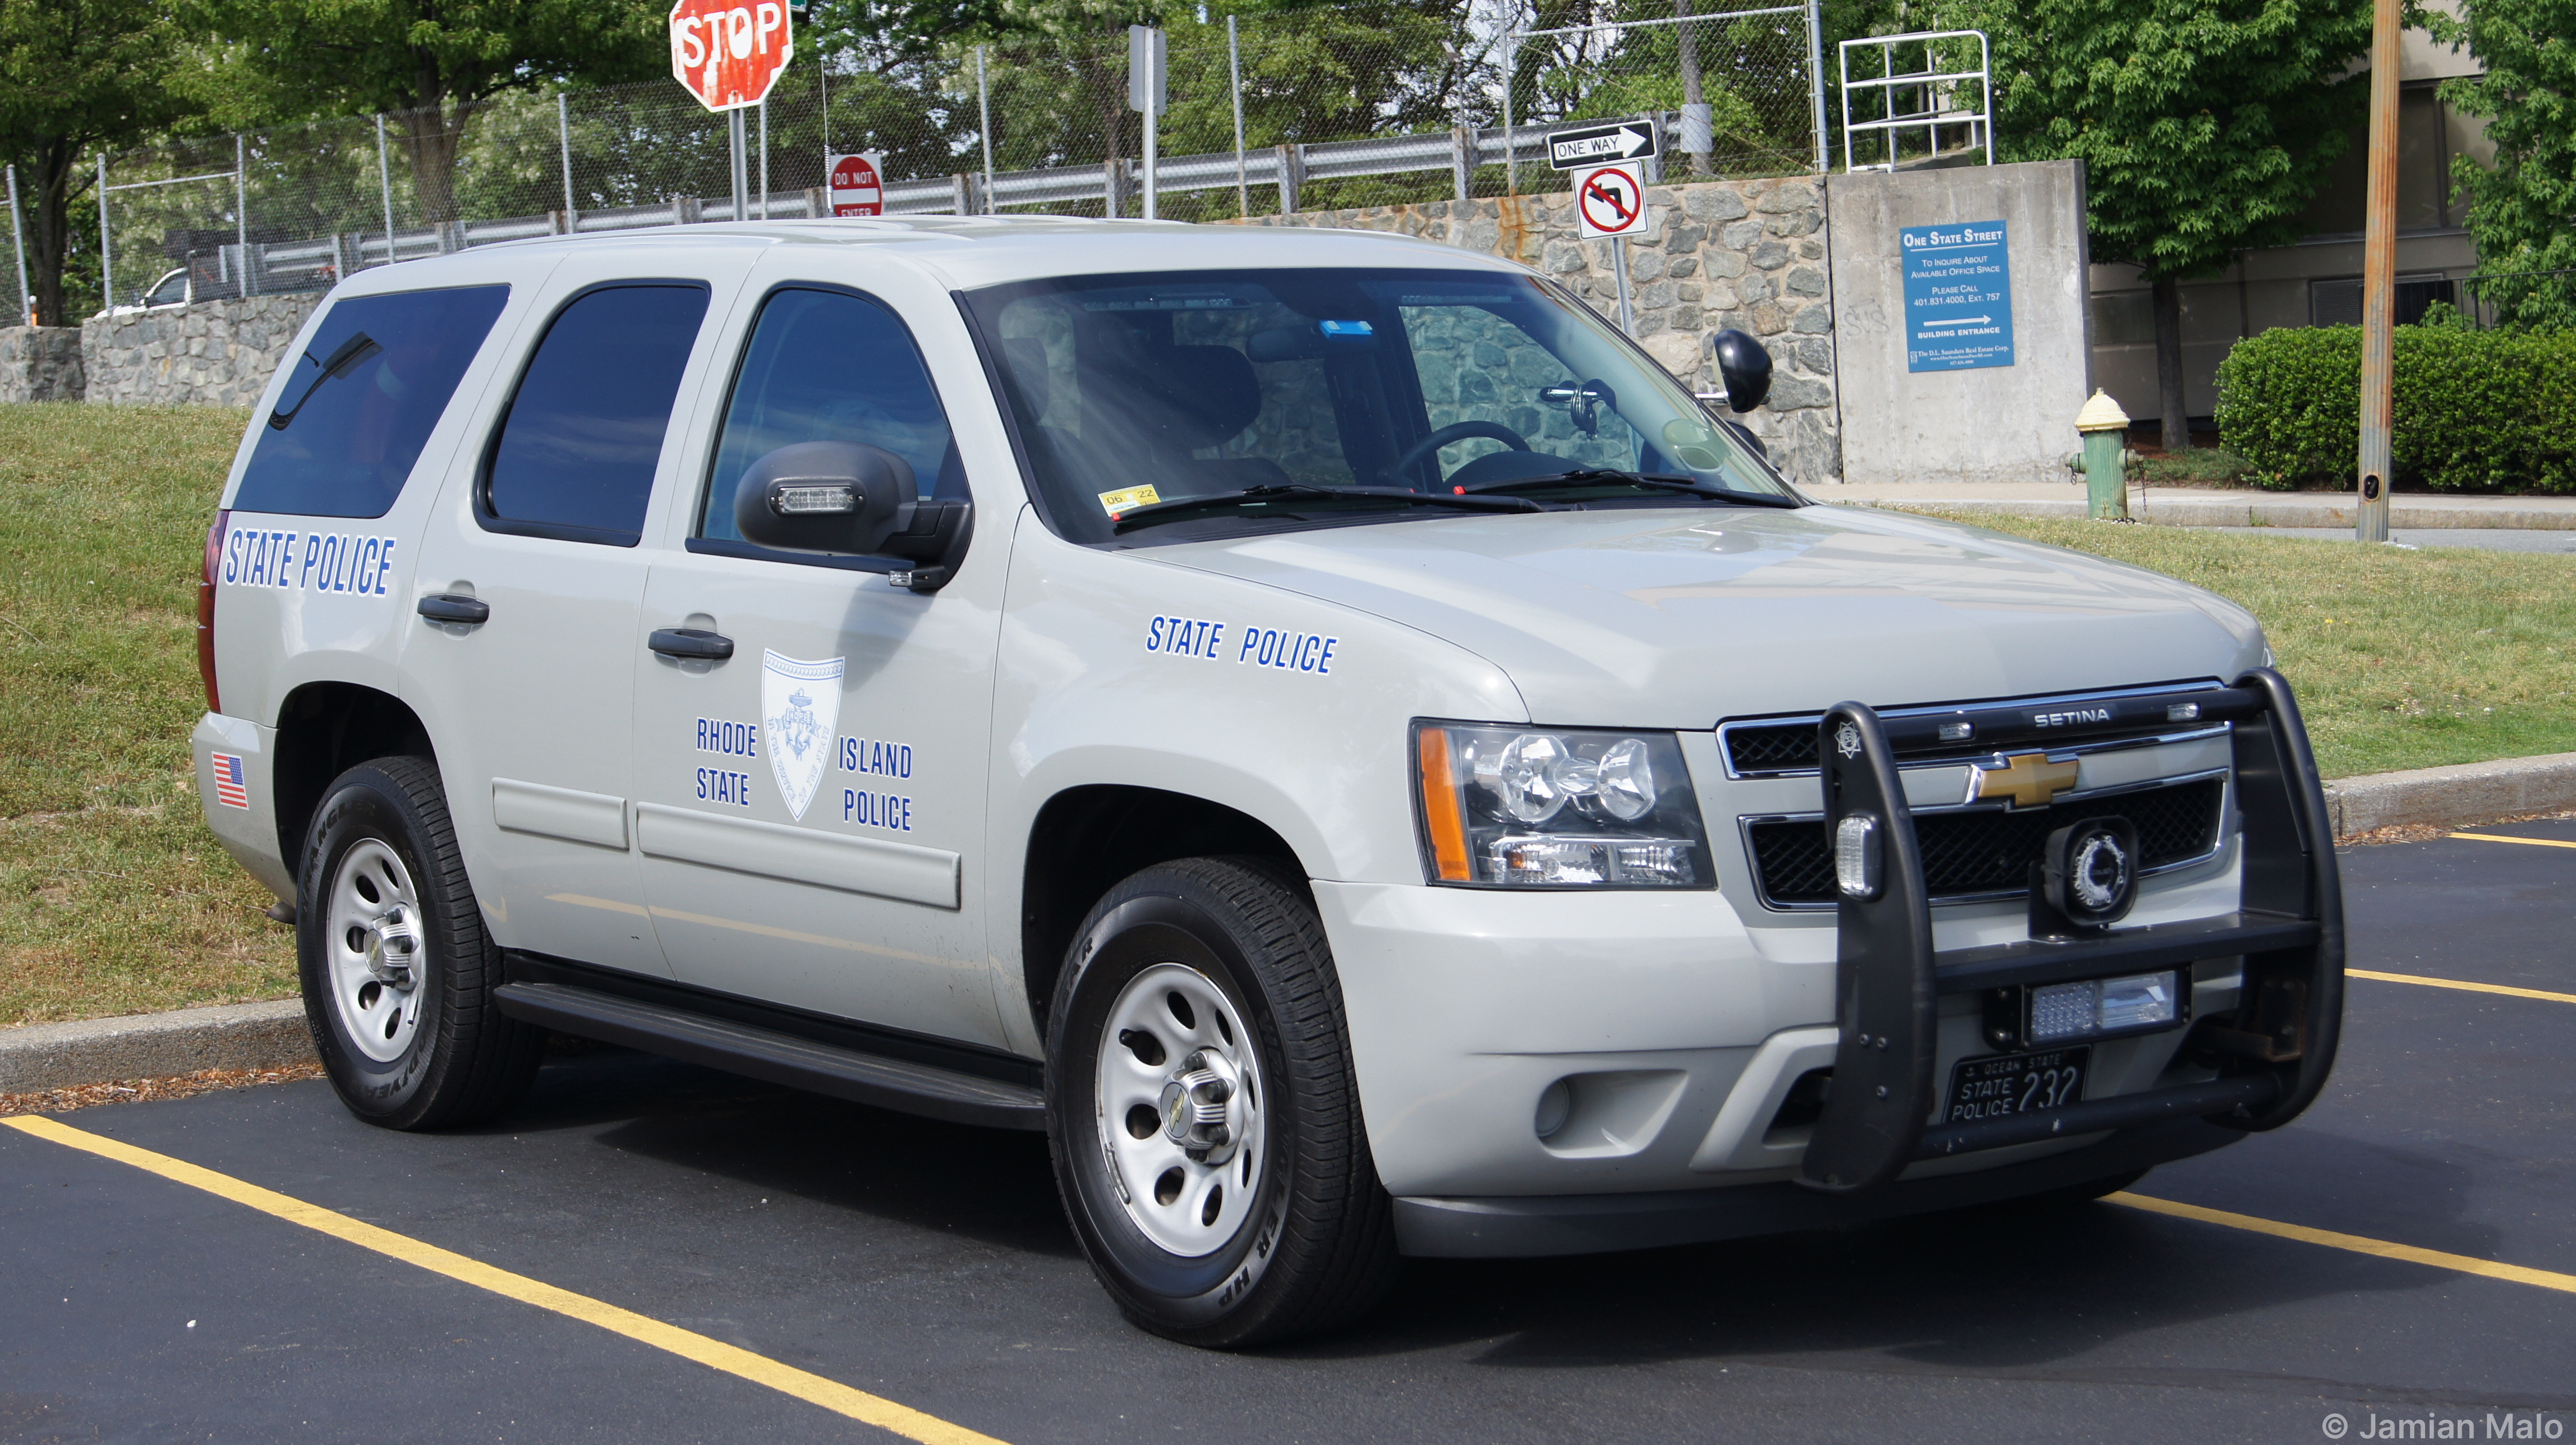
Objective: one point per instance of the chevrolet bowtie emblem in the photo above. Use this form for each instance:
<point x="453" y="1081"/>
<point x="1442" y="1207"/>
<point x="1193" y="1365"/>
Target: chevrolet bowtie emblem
<point x="2030" y="780"/>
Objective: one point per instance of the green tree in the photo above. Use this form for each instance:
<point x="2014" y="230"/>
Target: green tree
<point x="77" y="76"/>
<point x="2522" y="214"/>
<point x="2204" y="126"/>
<point x="435" y="61"/>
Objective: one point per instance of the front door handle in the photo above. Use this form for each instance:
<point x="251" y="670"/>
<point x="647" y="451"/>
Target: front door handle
<point x="449" y="607"/>
<point x="694" y="644"/>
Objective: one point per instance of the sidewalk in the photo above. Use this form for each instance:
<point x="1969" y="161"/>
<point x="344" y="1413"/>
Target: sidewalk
<point x="2213" y="507"/>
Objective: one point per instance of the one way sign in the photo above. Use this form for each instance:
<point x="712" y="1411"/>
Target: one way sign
<point x="1574" y="150"/>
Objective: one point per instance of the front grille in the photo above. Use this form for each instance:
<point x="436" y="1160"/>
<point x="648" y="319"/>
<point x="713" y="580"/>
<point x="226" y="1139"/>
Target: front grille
<point x="1759" y="748"/>
<point x="1989" y="851"/>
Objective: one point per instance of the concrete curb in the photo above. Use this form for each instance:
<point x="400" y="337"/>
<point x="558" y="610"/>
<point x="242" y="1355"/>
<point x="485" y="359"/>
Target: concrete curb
<point x="272" y="1035"/>
<point x="2467" y="793"/>
<point x="145" y="1046"/>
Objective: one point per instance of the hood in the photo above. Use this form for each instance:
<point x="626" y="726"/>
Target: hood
<point x="1669" y="619"/>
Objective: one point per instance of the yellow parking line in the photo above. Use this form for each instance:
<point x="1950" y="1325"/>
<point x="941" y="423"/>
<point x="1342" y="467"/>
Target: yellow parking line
<point x="2505" y="989"/>
<point x="715" y="1354"/>
<point x="2358" y="1244"/>
<point x="2500" y="838"/>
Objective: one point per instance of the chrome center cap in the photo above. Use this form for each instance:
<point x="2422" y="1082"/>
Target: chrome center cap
<point x="1200" y="1105"/>
<point x="393" y="943"/>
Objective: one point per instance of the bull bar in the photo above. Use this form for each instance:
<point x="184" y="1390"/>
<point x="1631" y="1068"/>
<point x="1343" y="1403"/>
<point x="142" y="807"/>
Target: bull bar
<point x="2274" y="1052"/>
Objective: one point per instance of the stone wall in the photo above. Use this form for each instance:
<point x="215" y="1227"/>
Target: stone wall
<point x="213" y="353"/>
<point x="40" y="363"/>
<point x="1743" y="254"/>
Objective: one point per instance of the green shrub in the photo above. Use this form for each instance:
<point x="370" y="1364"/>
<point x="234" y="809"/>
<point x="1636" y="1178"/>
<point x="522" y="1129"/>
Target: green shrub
<point x="2475" y="410"/>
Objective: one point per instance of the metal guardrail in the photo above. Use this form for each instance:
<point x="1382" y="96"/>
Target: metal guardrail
<point x="317" y="264"/>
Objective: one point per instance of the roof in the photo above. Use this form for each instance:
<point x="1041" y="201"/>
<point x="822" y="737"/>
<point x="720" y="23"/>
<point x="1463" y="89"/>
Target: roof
<point x="975" y="251"/>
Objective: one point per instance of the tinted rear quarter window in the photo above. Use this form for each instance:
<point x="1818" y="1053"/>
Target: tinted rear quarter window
<point x="575" y="454"/>
<point x="349" y="441"/>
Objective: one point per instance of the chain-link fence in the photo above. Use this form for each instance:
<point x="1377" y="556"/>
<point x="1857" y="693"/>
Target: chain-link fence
<point x="1306" y="109"/>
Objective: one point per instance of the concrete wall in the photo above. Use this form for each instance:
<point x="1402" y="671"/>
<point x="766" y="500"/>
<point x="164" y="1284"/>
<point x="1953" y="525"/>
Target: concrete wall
<point x="213" y="353"/>
<point x="40" y="363"/>
<point x="1990" y="424"/>
<point x="1744" y="254"/>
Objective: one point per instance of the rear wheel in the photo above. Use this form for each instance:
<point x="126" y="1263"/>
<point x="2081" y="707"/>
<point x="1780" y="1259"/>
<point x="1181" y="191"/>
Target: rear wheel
<point x="396" y="968"/>
<point x="1204" y="1123"/>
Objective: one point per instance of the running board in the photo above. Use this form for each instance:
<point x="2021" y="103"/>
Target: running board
<point x="777" y="1058"/>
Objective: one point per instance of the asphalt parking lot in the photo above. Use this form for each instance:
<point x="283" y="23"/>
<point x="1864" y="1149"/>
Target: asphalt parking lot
<point x="926" y="1268"/>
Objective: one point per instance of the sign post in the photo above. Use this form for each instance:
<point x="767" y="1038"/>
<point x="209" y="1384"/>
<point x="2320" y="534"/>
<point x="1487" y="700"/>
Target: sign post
<point x="1958" y="296"/>
<point x="1145" y="86"/>
<point x="1608" y="163"/>
<point x="728" y="53"/>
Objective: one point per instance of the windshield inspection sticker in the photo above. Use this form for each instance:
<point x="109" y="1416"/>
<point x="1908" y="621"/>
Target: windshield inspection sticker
<point x="308" y="561"/>
<point x="799" y="703"/>
<point x="1129" y="500"/>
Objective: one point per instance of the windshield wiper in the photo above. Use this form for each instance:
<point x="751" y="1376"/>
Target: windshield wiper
<point x="1180" y="507"/>
<point x="1653" y="480"/>
<point x="345" y="358"/>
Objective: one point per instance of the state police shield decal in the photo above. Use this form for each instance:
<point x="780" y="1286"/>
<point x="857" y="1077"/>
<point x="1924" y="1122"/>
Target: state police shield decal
<point x="800" y="703"/>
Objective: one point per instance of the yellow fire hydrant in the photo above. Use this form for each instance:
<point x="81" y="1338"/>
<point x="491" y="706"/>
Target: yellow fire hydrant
<point x="2104" y="461"/>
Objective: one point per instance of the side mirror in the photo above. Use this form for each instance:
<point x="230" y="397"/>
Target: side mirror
<point x="1744" y="366"/>
<point x="850" y="499"/>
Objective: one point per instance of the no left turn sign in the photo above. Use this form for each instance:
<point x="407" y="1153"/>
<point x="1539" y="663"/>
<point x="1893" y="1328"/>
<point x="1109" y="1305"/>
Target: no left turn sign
<point x="1611" y="201"/>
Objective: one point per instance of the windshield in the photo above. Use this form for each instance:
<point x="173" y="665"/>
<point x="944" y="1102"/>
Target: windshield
<point x="1131" y="392"/>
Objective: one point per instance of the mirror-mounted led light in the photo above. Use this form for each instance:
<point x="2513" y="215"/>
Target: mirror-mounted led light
<point x="2182" y="712"/>
<point x="836" y="498"/>
<point x="1857" y="857"/>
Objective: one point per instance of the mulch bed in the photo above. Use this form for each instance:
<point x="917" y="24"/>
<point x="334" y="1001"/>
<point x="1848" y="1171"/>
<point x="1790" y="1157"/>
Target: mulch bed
<point x="135" y="1091"/>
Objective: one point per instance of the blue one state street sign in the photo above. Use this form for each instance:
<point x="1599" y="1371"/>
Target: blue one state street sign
<point x="1958" y="296"/>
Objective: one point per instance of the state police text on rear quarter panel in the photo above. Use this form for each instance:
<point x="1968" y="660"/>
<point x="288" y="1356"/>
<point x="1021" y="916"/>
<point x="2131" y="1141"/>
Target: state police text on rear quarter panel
<point x="1319" y="723"/>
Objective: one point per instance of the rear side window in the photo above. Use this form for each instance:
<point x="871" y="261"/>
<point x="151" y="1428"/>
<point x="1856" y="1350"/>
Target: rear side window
<point x="575" y="453"/>
<point x="830" y="366"/>
<point x="342" y="441"/>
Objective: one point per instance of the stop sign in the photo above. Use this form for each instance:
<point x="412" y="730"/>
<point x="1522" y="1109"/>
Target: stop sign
<point x="858" y="188"/>
<point x="729" y="53"/>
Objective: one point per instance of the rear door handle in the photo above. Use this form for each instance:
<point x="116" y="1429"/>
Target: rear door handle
<point x="694" y="644"/>
<point x="448" y="607"/>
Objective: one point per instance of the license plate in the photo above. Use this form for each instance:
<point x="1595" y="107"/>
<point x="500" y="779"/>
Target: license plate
<point x="2001" y="1085"/>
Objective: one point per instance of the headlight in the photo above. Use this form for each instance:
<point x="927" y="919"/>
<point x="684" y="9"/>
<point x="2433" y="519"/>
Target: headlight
<point x="1557" y="808"/>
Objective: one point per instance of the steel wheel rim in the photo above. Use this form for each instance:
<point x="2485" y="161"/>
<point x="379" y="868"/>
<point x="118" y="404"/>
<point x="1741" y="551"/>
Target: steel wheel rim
<point x="1157" y="1110"/>
<point x="378" y="955"/>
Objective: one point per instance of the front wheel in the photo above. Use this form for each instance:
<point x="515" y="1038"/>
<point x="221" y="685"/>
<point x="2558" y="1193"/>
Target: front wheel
<point x="1202" y="1115"/>
<point x="397" y="970"/>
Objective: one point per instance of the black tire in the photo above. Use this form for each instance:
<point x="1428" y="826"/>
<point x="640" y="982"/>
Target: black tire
<point x="462" y="1061"/>
<point x="1316" y="1248"/>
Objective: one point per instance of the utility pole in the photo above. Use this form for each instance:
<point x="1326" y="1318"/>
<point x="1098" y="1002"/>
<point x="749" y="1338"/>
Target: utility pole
<point x="2378" y="279"/>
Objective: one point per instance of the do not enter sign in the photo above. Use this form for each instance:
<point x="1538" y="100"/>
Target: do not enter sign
<point x="730" y="52"/>
<point x="1611" y="201"/>
<point x="858" y="185"/>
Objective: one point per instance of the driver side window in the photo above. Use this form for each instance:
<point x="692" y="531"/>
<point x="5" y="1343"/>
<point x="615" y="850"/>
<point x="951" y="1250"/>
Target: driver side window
<point x="1476" y="366"/>
<point x="829" y="366"/>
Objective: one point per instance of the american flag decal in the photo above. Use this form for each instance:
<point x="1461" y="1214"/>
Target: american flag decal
<point x="229" y="789"/>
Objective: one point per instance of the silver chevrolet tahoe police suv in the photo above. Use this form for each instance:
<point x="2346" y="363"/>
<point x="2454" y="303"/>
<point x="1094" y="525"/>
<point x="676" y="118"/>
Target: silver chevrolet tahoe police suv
<point x="1317" y="722"/>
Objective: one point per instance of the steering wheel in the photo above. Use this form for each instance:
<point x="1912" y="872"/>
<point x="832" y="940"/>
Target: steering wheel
<point x="1457" y="431"/>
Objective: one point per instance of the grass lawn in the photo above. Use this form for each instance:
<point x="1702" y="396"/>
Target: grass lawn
<point x="113" y="896"/>
<point x="2401" y="659"/>
<point x="115" y="899"/>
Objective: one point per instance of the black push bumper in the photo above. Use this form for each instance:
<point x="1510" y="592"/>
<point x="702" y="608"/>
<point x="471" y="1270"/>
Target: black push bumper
<point x="2273" y="1053"/>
